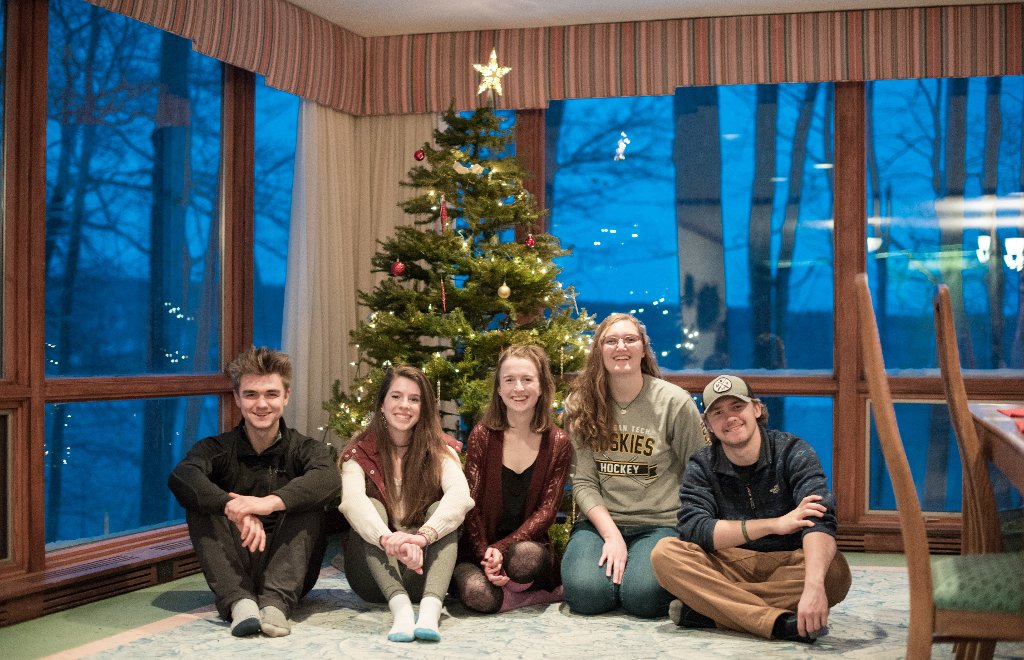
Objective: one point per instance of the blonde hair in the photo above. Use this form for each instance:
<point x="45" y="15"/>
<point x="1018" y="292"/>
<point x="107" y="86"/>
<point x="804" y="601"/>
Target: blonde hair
<point x="588" y="411"/>
<point x="496" y="415"/>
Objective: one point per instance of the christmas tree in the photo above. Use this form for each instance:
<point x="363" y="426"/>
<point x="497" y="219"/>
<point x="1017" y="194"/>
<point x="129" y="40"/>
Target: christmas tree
<point x="468" y="278"/>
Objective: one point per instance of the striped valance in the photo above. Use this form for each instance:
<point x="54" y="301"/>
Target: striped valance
<point x="308" y="56"/>
<point x="297" y="51"/>
<point x="423" y="73"/>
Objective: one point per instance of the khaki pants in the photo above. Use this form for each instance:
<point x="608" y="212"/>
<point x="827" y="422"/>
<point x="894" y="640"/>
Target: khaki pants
<point x="741" y="589"/>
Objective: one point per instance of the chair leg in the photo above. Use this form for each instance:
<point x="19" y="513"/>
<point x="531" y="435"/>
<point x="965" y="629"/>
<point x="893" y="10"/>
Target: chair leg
<point x="974" y="649"/>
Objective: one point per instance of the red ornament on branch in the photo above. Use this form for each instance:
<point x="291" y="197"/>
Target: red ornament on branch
<point x="397" y="268"/>
<point x="530" y="241"/>
<point x="444" y="215"/>
<point x="419" y="154"/>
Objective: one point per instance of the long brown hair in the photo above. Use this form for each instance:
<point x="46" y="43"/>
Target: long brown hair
<point x="496" y="415"/>
<point x="588" y="411"/>
<point x="423" y="461"/>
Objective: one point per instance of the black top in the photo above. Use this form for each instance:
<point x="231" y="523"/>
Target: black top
<point x="514" y="488"/>
<point x="296" y="468"/>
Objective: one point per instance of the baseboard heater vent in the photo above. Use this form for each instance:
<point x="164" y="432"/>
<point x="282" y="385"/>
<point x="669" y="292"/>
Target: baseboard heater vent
<point x="89" y="591"/>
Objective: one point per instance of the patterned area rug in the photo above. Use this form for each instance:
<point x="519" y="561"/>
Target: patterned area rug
<point x="332" y="621"/>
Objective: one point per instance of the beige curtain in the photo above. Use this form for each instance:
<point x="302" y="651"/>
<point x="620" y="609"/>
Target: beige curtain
<point x="345" y="197"/>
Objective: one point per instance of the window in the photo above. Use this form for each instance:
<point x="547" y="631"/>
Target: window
<point x="945" y="205"/>
<point x="707" y="215"/>
<point x="133" y="152"/>
<point x="277" y="118"/>
<point x="932" y="453"/>
<point x="107" y="464"/>
<point x="132" y="267"/>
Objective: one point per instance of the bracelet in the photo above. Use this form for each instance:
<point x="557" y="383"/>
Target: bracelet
<point x="425" y="538"/>
<point x="743" y="528"/>
<point x="428" y="533"/>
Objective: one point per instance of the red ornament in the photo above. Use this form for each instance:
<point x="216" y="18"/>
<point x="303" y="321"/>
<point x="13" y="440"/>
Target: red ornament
<point x="419" y="154"/>
<point x="397" y="268"/>
<point x="530" y="240"/>
<point x="444" y="215"/>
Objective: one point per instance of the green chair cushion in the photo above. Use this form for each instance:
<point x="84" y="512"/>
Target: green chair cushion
<point x="982" y="583"/>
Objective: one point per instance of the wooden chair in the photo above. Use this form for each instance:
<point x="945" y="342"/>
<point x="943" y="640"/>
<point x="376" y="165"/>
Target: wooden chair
<point x="953" y="598"/>
<point x="980" y="515"/>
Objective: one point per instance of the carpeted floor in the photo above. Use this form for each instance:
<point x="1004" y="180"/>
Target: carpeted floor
<point x="332" y="621"/>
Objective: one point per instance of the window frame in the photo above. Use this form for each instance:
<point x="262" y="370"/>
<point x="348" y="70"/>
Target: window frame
<point x="24" y="387"/>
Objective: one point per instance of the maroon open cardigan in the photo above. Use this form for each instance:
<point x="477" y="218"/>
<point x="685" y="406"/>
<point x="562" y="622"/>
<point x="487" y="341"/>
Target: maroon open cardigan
<point x="364" y="452"/>
<point x="483" y="472"/>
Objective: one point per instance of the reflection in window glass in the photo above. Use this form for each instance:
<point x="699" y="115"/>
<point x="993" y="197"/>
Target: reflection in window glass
<point x="934" y="459"/>
<point x="107" y="464"/>
<point x="945" y="205"/>
<point x="133" y="151"/>
<point x="707" y="215"/>
<point x="277" y="117"/>
<point x="807" y="417"/>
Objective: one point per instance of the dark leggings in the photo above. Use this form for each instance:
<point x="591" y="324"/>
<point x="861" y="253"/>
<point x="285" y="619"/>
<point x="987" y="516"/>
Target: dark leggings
<point x="524" y="562"/>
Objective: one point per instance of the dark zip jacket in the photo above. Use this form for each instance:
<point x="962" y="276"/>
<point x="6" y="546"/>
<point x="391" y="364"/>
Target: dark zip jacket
<point x="786" y="471"/>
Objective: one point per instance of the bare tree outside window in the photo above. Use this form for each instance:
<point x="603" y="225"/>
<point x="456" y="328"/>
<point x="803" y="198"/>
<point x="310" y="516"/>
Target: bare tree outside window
<point x="132" y="254"/>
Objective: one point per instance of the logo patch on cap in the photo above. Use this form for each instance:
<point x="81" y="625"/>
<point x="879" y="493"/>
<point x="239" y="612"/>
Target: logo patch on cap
<point x="721" y="384"/>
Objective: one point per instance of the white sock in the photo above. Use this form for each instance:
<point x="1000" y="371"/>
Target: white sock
<point x="430" y="613"/>
<point x="401" y="610"/>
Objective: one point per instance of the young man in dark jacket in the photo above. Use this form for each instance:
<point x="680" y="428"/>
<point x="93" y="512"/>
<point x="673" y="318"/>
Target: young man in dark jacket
<point x="756" y="548"/>
<point x="255" y="500"/>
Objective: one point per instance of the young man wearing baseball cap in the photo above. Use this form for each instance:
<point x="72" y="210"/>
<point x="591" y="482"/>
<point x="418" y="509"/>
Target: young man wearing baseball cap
<point x="756" y="548"/>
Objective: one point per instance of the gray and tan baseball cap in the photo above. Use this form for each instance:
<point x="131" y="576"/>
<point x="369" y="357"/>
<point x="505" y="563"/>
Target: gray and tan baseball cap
<point x="725" y="385"/>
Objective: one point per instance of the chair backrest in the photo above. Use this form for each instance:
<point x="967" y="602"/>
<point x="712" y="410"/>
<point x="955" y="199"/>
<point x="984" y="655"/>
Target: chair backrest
<point x="981" y="519"/>
<point x="908" y="506"/>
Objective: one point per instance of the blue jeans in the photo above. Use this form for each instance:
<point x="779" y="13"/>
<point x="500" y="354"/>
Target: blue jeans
<point x="589" y="591"/>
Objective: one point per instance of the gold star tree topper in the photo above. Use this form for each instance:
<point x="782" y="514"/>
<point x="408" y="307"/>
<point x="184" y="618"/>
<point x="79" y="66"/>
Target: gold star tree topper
<point x="492" y="74"/>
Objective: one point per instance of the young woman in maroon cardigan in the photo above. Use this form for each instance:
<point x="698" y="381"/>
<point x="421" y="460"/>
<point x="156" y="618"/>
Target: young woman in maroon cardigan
<point x="517" y="462"/>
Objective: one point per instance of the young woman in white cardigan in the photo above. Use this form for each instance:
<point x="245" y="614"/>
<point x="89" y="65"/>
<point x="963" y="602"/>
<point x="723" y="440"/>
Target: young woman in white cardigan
<point x="404" y="493"/>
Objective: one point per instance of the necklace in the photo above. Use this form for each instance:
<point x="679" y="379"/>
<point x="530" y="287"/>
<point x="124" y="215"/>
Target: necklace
<point x="624" y="408"/>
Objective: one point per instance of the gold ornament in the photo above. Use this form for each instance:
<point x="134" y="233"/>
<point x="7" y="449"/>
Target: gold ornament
<point x="491" y="73"/>
<point x="503" y="291"/>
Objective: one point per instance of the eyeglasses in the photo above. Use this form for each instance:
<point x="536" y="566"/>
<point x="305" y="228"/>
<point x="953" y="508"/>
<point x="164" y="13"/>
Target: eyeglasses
<point x="613" y="342"/>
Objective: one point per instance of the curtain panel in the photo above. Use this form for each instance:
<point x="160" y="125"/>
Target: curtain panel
<point x="422" y="73"/>
<point x="345" y="198"/>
